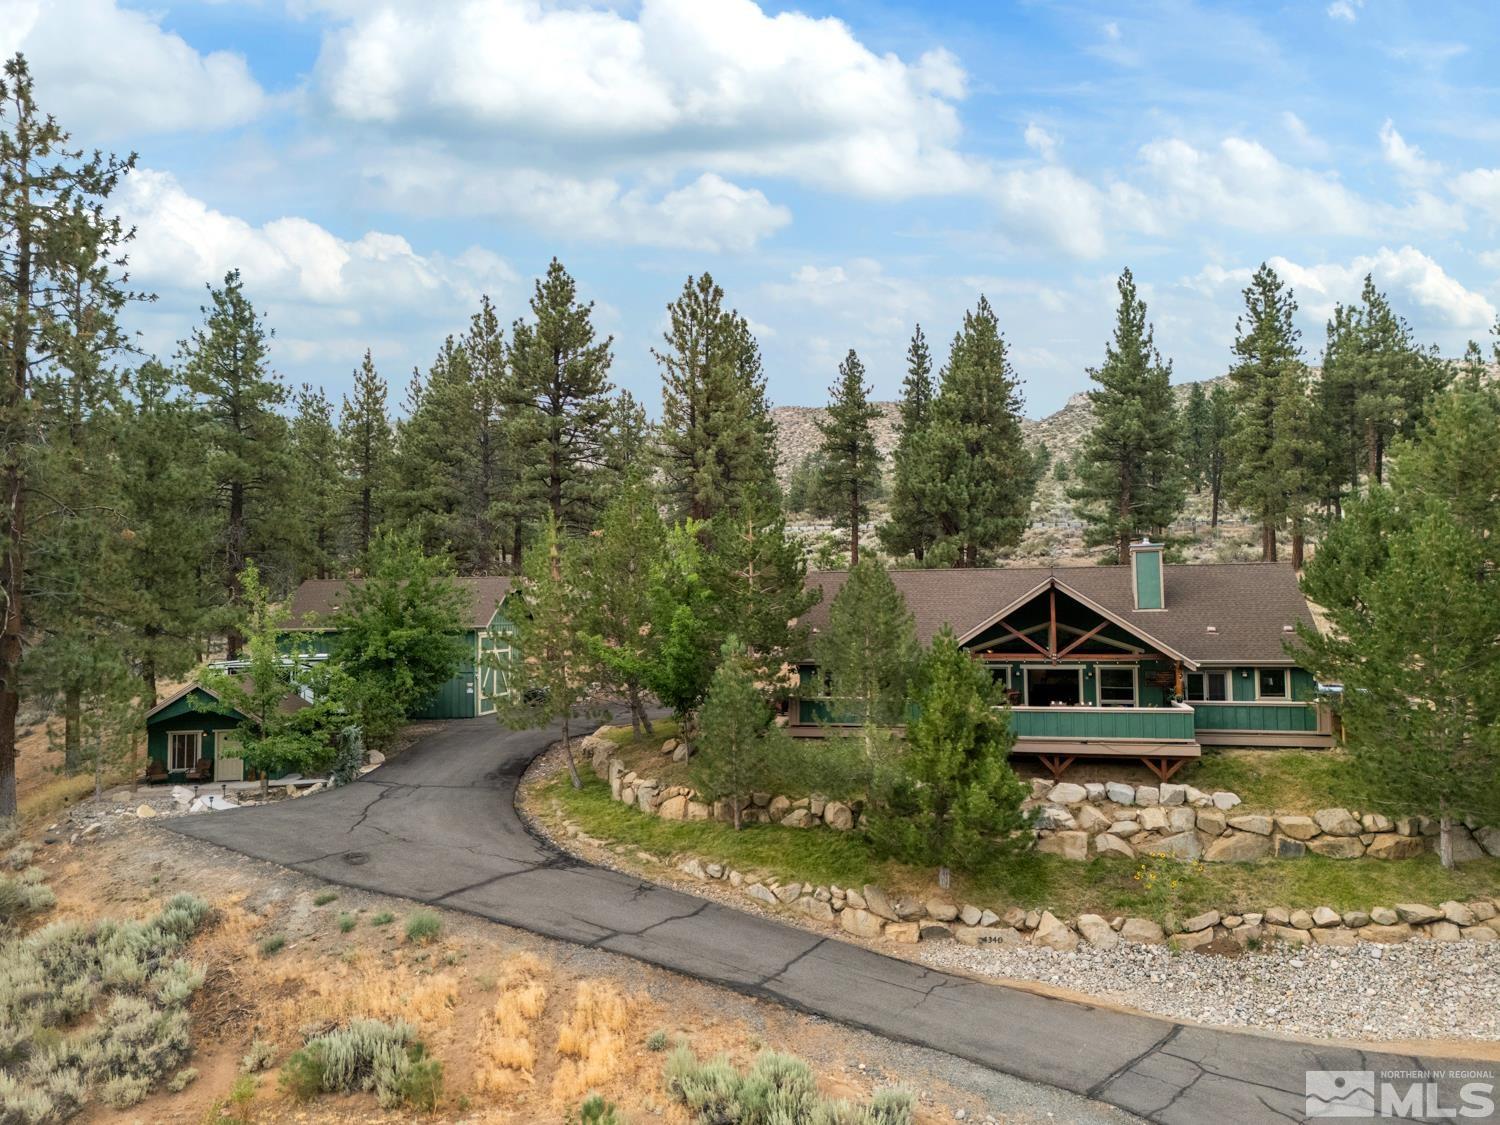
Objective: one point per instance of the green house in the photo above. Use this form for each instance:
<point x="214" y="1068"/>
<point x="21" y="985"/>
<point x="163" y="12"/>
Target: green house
<point x="1150" y="661"/>
<point x="483" y="678"/>
<point x="185" y="743"/>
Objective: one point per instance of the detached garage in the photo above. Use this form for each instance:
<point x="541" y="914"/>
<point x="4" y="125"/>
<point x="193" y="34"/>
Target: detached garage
<point x="484" y="676"/>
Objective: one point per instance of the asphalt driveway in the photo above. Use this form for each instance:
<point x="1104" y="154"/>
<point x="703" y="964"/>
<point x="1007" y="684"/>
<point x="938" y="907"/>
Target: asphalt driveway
<point x="438" y="825"/>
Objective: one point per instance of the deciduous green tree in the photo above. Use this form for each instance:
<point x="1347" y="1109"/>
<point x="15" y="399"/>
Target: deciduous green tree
<point x="399" y="633"/>
<point x="952" y="799"/>
<point x="1128" y="471"/>
<point x="869" y="649"/>
<point x="850" y="461"/>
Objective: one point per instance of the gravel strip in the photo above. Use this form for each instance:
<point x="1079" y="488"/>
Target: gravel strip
<point x="1417" y="990"/>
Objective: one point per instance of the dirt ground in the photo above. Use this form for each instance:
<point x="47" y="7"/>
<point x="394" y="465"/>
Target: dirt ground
<point x="524" y="1027"/>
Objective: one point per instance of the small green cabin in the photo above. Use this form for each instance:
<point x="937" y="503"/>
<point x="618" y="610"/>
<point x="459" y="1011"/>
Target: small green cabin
<point x="481" y="681"/>
<point x="187" y="743"/>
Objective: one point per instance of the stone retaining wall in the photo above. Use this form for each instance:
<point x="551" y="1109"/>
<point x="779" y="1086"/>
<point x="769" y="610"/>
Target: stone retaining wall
<point x="1116" y="819"/>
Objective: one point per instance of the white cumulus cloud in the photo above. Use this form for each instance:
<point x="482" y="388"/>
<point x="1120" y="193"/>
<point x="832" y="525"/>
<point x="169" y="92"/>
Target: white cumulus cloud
<point x="105" y="71"/>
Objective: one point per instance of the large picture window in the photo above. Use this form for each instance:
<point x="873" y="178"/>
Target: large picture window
<point x="1208" y="687"/>
<point x="1271" y="683"/>
<point x="1117" y="687"/>
<point x="182" y="749"/>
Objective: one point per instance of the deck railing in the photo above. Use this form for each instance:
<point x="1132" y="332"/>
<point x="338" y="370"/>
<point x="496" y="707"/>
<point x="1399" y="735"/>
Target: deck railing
<point x="1157" y="724"/>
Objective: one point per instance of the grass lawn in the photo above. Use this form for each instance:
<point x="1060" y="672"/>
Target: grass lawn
<point x="1289" y="780"/>
<point x="821" y="855"/>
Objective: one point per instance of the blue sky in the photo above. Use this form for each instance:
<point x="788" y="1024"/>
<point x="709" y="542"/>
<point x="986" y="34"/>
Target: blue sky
<point x="843" y="169"/>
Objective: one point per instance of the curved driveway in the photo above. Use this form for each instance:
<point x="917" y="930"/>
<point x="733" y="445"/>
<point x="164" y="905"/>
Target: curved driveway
<point x="438" y="825"/>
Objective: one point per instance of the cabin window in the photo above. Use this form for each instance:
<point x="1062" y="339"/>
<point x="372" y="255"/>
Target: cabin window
<point x="1271" y="683"/>
<point x="1116" y="687"/>
<point x="182" y="749"/>
<point x="1208" y="687"/>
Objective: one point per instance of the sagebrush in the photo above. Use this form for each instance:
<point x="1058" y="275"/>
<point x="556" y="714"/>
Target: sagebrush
<point x="776" y="1089"/>
<point x="386" y="1059"/>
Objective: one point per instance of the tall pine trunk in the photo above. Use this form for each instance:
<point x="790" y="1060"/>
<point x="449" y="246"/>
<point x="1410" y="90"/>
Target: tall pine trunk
<point x="72" y="729"/>
<point x="12" y="579"/>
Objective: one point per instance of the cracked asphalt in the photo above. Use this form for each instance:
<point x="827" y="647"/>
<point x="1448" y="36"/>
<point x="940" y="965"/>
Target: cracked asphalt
<point x="438" y="825"/>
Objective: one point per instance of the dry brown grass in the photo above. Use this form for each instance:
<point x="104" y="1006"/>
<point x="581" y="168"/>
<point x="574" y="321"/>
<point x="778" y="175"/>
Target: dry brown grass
<point x="592" y="1044"/>
<point x="506" y="1053"/>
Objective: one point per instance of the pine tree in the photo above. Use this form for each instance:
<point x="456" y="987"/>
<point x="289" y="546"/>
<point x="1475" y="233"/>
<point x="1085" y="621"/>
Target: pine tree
<point x="552" y="679"/>
<point x="737" y="743"/>
<point x="318" y="513"/>
<point x="55" y="229"/>
<point x="717" y="437"/>
<point x="868" y="651"/>
<point x="171" y="512"/>
<point x="365" y="445"/>
<point x="1295" y="453"/>
<point x="911" y="528"/>
<point x="224" y="367"/>
<point x="1216" y="449"/>
<point x="624" y="557"/>
<point x="1128" y="476"/>
<point x="1407" y="579"/>
<point x="560" y="396"/>
<point x="982" y="477"/>
<point x="1194" y="436"/>
<point x="850" y="462"/>
<point x="953" y="801"/>
<point x="628" y="437"/>
<point x="1266" y="347"/>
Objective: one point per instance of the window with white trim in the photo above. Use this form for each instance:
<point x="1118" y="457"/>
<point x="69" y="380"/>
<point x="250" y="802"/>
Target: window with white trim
<point x="1116" y="687"/>
<point x="1271" y="683"/>
<point x="1208" y="687"/>
<point x="182" y="749"/>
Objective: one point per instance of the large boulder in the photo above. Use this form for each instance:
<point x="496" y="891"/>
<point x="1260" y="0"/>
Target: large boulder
<point x="1225" y="800"/>
<point x="1457" y="913"/>
<point x="903" y="933"/>
<point x="838" y="815"/>
<point x="1069" y="845"/>
<point x="1184" y="845"/>
<point x="860" y="923"/>
<point x="1055" y="816"/>
<point x="1182" y="819"/>
<point x="1120" y="793"/>
<point x="1097" y="932"/>
<point x="1464" y="847"/>
<point x="1297" y="827"/>
<point x="1260" y="825"/>
<point x="1238" y="847"/>
<point x="1337" y="847"/>
<point x="1337" y="822"/>
<point x="1091" y="820"/>
<point x="1324" y="916"/>
<point x="1173" y="794"/>
<point x="1385" y="935"/>
<point x="878" y="904"/>
<point x="1142" y="931"/>
<point x="1384" y="916"/>
<point x="779" y="807"/>
<point x="1390" y="845"/>
<point x="1124" y="829"/>
<point x="1444" y="931"/>
<point x="1287" y="848"/>
<point x="1211" y="822"/>
<point x="1336" y="936"/>
<point x="1147" y="795"/>
<point x="1054" y="934"/>
<point x="1107" y="844"/>
<point x="1153" y="819"/>
<point x="1066" y="793"/>
<point x="673" y="808"/>
<point x="1418" y="914"/>
<point x="1488" y="839"/>
<point x="797" y="818"/>
<point x="942" y="909"/>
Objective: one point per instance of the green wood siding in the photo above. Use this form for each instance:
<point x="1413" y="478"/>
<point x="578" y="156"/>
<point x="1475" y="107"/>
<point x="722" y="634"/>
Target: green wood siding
<point x="180" y="716"/>
<point x="1256" y="716"/>
<point x="456" y="698"/>
<point x="1146" y="570"/>
<point x="1056" y="722"/>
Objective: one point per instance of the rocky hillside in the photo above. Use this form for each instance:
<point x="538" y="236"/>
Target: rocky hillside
<point x="1056" y="535"/>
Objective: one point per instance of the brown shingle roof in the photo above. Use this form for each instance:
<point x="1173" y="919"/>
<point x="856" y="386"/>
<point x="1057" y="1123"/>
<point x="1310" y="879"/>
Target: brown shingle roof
<point x="317" y="599"/>
<point x="1248" y="603"/>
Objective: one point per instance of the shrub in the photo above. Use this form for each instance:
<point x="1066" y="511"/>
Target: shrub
<point x="596" y="1110"/>
<point x="272" y="945"/>
<point x="367" y="1055"/>
<point x="656" y="1041"/>
<point x="20" y="856"/>
<point x="776" y="1088"/>
<point x="347" y="922"/>
<point x="24" y="896"/>
<point x="423" y="926"/>
<point x="124" y="1091"/>
<point x="384" y="918"/>
<point x="259" y="1057"/>
<point x="181" y="1079"/>
<point x="325" y="897"/>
